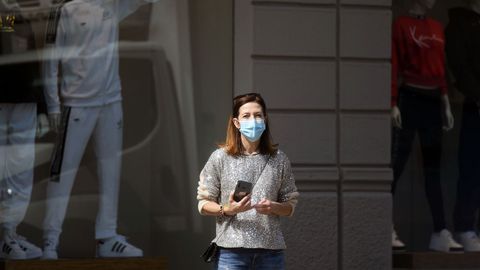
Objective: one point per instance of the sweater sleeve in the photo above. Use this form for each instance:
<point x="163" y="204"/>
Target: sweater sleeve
<point x="55" y="36"/>
<point x="288" y="190"/>
<point x="209" y="183"/>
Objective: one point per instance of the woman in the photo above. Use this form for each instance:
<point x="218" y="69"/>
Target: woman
<point x="248" y="231"/>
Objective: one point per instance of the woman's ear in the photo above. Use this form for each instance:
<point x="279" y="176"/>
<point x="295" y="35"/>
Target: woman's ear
<point x="236" y="123"/>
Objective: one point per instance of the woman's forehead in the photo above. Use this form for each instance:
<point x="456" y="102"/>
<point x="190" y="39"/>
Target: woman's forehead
<point x="250" y="107"/>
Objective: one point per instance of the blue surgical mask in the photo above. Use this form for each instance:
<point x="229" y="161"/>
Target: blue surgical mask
<point x="252" y="129"/>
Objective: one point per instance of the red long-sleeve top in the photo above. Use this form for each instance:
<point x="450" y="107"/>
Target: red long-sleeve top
<point x="418" y="54"/>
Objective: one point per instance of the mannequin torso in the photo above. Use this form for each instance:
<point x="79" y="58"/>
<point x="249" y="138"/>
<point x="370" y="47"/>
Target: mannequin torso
<point x="418" y="56"/>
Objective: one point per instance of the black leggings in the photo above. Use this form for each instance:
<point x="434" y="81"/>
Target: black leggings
<point x="421" y="112"/>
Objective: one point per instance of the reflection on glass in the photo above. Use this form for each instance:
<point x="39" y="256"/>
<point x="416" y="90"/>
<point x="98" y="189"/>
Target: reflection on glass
<point x="83" y="96"/>
<point x="7" y="22"/>
<point x="19" y="96"/>
<point x="463" y="41"/>
<point x="421" y="105"/>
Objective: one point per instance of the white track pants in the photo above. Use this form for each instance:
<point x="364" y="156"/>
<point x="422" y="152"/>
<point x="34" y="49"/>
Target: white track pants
<point x="105" y="125"/>
<point x="17" y="156"/>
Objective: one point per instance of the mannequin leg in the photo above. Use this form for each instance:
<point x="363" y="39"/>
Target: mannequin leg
<point x="19" y="162"/>
<point x="108" y="136"/>
<point x="431" y="143"/>
<point x="401" y="148"/>
<point x="79" y="126"/>
<point x="402" y="139"/>
<point x="468" y="186"/>
<point x="108" y="148"/>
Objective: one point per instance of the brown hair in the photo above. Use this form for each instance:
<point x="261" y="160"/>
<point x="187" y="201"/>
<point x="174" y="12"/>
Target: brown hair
<point x="233" y="143"/>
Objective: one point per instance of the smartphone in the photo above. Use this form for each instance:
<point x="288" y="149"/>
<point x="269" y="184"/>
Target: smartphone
<point x="242" y="189"/>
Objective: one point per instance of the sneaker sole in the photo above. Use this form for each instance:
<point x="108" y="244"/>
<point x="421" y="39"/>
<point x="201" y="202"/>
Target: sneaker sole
<point x="460" y="250"/>
<point x="451" y="250"/>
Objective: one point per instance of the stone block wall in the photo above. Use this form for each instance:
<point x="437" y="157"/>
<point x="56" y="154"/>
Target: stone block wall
<point x="324" y="68"/>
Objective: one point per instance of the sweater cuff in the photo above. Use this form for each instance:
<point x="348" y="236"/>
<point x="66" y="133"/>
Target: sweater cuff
<point x="201" y="203"/>
<point x="292" y="203"/>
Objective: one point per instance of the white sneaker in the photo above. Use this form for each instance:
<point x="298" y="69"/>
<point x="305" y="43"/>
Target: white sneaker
<point x="49" y="250"/>
<point x="11" y="250"/>
<point x="117" y="247"/>
<point x="397" y="245"/>
<point x="444" y="242"/>
<point x="31" y="251"/>
<point x="469" y="240"/>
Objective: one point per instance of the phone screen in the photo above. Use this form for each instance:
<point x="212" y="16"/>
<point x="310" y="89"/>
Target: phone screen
<point x="242" y="189"/>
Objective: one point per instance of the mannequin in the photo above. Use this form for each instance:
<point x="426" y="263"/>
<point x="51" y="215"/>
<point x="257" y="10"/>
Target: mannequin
<point x="82" y="36"/>
<point x="21" y="100"/>
<point x="462" y="43"/>
<point x="421" y="105"/>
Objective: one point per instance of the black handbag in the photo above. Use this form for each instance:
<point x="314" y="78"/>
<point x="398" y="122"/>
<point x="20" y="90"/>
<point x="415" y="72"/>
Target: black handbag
<point x="210" y="254"/>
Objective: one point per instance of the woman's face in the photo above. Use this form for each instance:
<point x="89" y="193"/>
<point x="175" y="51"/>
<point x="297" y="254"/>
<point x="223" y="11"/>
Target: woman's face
<point x="248" y="111"/>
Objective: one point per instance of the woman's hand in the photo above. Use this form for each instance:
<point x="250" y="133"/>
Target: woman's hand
<point x="234" y="207"/>
<point x="265" y="207"/>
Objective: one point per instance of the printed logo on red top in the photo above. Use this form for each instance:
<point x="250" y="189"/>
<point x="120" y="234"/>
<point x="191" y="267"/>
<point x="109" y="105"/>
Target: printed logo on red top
<point x="422" y="40"/>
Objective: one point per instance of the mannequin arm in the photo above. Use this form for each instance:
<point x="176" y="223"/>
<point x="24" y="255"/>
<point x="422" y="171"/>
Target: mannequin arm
<point x="54" y="47"/>
<point x="42" y="125"/>
<point x="448" y="120"/>
<point x="396" y="117"/>
<point x="54" y="121"/>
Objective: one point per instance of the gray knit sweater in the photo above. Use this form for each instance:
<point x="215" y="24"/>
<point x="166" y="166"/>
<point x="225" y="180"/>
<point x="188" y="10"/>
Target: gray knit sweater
<point x="248" y="229"/>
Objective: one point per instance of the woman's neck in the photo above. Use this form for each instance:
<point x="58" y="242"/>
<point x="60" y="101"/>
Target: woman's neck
<point x="418" y="10"/>
<point x="250" y="147"/>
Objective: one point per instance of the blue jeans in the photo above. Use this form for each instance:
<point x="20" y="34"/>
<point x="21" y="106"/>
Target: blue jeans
<point x="250" y="259"/>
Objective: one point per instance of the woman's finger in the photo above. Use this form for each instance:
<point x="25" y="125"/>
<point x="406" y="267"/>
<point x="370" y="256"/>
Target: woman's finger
<point x="260" y="206"/>
<point x="245" y="199"/>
